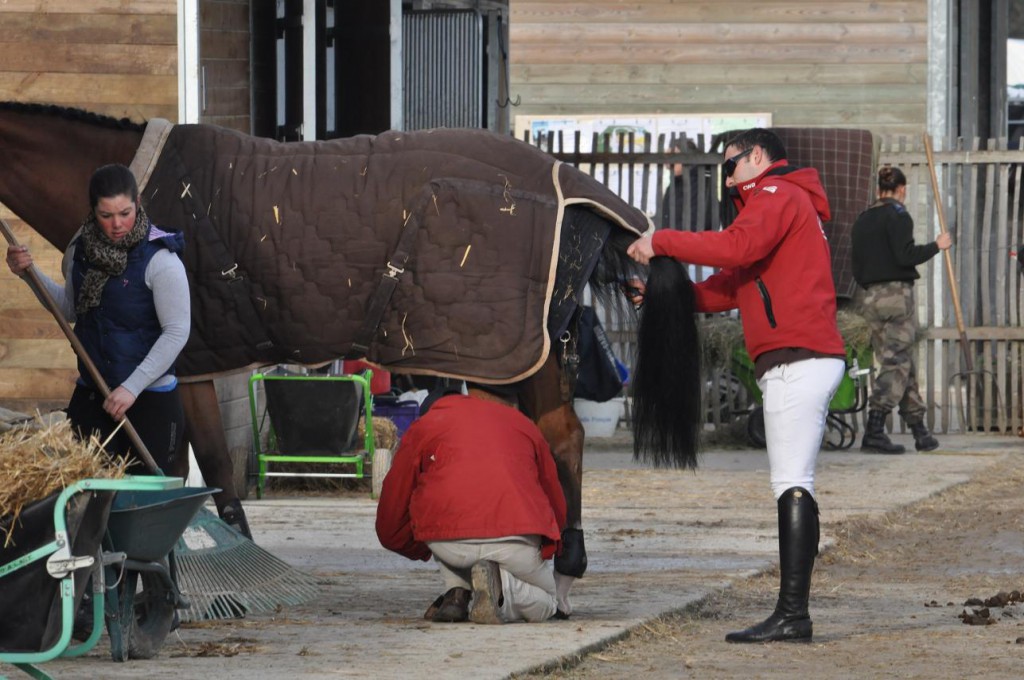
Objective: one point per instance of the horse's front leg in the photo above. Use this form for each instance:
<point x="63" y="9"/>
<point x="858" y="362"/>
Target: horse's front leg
<point x="541" y="399"/>
<point x="204" y="428"/>
<point x="564" y="434"/>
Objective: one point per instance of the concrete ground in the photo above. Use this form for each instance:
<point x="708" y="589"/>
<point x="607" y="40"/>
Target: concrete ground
<point x="657" y="541"/>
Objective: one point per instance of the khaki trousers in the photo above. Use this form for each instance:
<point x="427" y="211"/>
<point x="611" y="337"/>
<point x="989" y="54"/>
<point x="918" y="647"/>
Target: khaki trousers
<point x="527" y="581"/>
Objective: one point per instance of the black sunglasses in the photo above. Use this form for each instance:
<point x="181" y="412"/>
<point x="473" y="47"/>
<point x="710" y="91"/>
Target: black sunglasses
<point x="729" y="166"/>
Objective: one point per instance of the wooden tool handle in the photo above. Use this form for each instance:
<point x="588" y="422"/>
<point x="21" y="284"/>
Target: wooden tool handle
<point x="40" y="289"/>
<point x="953" y="289"/>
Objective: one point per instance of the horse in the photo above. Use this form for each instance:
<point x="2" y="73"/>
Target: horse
<point x="389" y="311"/>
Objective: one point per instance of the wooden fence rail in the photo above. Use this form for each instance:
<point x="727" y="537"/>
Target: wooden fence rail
<point x="980" y="192"/>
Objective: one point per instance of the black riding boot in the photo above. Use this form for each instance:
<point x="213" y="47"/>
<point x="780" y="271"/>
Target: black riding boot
<point x="923" y="439"/>
<point x="798" y="545"/>
<point x="875" y="439"/>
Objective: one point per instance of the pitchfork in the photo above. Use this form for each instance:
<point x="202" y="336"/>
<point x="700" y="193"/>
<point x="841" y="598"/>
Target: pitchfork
<point x="954" y="292"/>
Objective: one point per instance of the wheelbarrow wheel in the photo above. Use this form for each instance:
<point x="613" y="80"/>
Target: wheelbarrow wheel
<point x="145" y="613"/>
<point x="755" y="428"/>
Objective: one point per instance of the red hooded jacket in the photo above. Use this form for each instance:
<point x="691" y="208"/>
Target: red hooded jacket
<point x="775" y="263"/>
<point x="470" y="468"/>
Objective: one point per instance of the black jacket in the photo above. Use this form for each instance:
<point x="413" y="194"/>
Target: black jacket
<point x="883" y="245"/>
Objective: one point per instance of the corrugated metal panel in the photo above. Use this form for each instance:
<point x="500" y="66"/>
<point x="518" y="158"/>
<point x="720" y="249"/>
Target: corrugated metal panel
<point x="442" y="69"/>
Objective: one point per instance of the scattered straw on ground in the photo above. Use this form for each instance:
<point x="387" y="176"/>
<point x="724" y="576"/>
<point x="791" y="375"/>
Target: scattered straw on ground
<point x="39" y="460"/>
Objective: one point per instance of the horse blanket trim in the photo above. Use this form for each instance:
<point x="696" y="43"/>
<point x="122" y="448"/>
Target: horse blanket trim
<point x="286" y="243"/>
<point x="153" y="140"/>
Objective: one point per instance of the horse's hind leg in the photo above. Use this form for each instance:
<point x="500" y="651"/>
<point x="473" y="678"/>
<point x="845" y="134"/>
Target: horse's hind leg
<point x="541" y="399"/>
<point x="205" y="430"/>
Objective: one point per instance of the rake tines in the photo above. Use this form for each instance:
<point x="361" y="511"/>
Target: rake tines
<point x="224" y="575"/>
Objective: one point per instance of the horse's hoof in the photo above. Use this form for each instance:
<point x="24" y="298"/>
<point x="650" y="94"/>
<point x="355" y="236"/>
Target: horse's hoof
<point x="233" y="515"/>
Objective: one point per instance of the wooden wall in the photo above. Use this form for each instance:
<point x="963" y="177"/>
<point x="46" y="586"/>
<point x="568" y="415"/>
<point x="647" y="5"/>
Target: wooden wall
<point x="808" y="62"/>
<point x="115" y="57"/>
<point x="224" y="64"/>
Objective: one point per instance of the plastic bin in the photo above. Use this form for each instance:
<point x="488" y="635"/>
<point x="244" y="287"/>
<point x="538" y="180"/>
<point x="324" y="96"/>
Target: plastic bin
<point x="401" y="413"/>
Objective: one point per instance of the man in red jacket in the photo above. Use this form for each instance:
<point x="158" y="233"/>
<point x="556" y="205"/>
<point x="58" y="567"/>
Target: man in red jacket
<point x="775" y="267"/>
<point x="474" y="485"/>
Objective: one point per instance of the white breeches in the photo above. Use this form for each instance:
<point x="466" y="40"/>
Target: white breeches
<point x="796" y="398"/>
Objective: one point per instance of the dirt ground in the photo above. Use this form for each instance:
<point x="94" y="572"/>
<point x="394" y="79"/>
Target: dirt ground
<point x="889" y="599"/>
<point x="887" y="595"/>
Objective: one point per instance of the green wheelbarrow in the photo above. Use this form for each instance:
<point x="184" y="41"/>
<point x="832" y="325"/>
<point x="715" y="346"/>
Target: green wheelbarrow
<point x="117" y="535"/>
<point x="851" y="397"/>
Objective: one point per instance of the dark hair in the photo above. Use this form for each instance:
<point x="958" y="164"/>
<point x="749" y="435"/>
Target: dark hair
<point x="682" y="142"/>
<point x="890" y="178"/>
<point x="112" y="180"/>
<point x="766" y="139"/>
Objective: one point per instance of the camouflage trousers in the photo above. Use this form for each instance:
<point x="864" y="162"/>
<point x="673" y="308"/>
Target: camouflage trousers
<point x="889" y="310"/>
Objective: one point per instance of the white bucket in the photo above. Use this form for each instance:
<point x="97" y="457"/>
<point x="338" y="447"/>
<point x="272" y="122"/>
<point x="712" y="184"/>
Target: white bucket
<point x="599" y="418"/>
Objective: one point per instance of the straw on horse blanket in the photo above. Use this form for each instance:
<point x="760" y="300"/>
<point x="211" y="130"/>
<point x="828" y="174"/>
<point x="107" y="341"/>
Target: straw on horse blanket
<point x="287" y="244"/>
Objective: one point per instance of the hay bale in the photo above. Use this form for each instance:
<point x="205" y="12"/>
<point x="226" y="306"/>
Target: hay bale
<point x="854" y="329"/>
<point x="40" y="459"/>
<point x="720" y="336"/>
<point x="385" y="433"/>
<point x="723" y="335"/>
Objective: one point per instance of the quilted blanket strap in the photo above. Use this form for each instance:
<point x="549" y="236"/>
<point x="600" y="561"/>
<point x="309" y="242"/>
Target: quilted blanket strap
<point x="388" y="282"/>
<point x="212" y="244"/>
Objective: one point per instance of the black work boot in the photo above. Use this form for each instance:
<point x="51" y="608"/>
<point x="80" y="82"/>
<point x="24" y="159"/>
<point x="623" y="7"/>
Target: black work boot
<point x="923" y="439"/>
<point x="798" y="546"/>
<point x="487" y="593"/>
<point x="875" y="439"/>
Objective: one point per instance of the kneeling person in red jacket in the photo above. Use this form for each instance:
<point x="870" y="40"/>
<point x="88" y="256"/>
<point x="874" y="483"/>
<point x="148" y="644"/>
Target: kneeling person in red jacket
<point x="474" y="485"/>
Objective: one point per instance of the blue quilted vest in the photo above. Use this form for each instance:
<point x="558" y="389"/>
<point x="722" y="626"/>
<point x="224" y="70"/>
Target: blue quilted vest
<point x="120" y="331"/>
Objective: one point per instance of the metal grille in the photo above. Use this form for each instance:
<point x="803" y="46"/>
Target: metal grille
<point x="442" y="73"/>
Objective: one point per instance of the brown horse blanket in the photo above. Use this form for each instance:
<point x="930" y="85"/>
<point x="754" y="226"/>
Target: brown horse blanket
<point x="288" y="242"/>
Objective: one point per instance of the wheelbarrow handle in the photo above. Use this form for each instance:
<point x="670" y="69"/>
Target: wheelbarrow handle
<point x="40" y="289"/>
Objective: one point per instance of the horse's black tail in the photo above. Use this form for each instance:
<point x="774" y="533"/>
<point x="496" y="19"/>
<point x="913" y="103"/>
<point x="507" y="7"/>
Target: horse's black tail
<point x="667" y="413"/>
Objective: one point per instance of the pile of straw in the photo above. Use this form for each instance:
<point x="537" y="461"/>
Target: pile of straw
<point x="40" y="460"/>
<point x="385" y="434"/>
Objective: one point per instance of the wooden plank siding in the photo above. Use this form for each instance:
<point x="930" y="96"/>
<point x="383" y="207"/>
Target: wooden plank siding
<point x="224" y="52"/>
<point x="114" y="57"/>
<point x="809" y="63"/>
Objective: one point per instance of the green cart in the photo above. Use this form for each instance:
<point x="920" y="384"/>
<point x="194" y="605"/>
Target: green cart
<point x="850" y="398"/>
